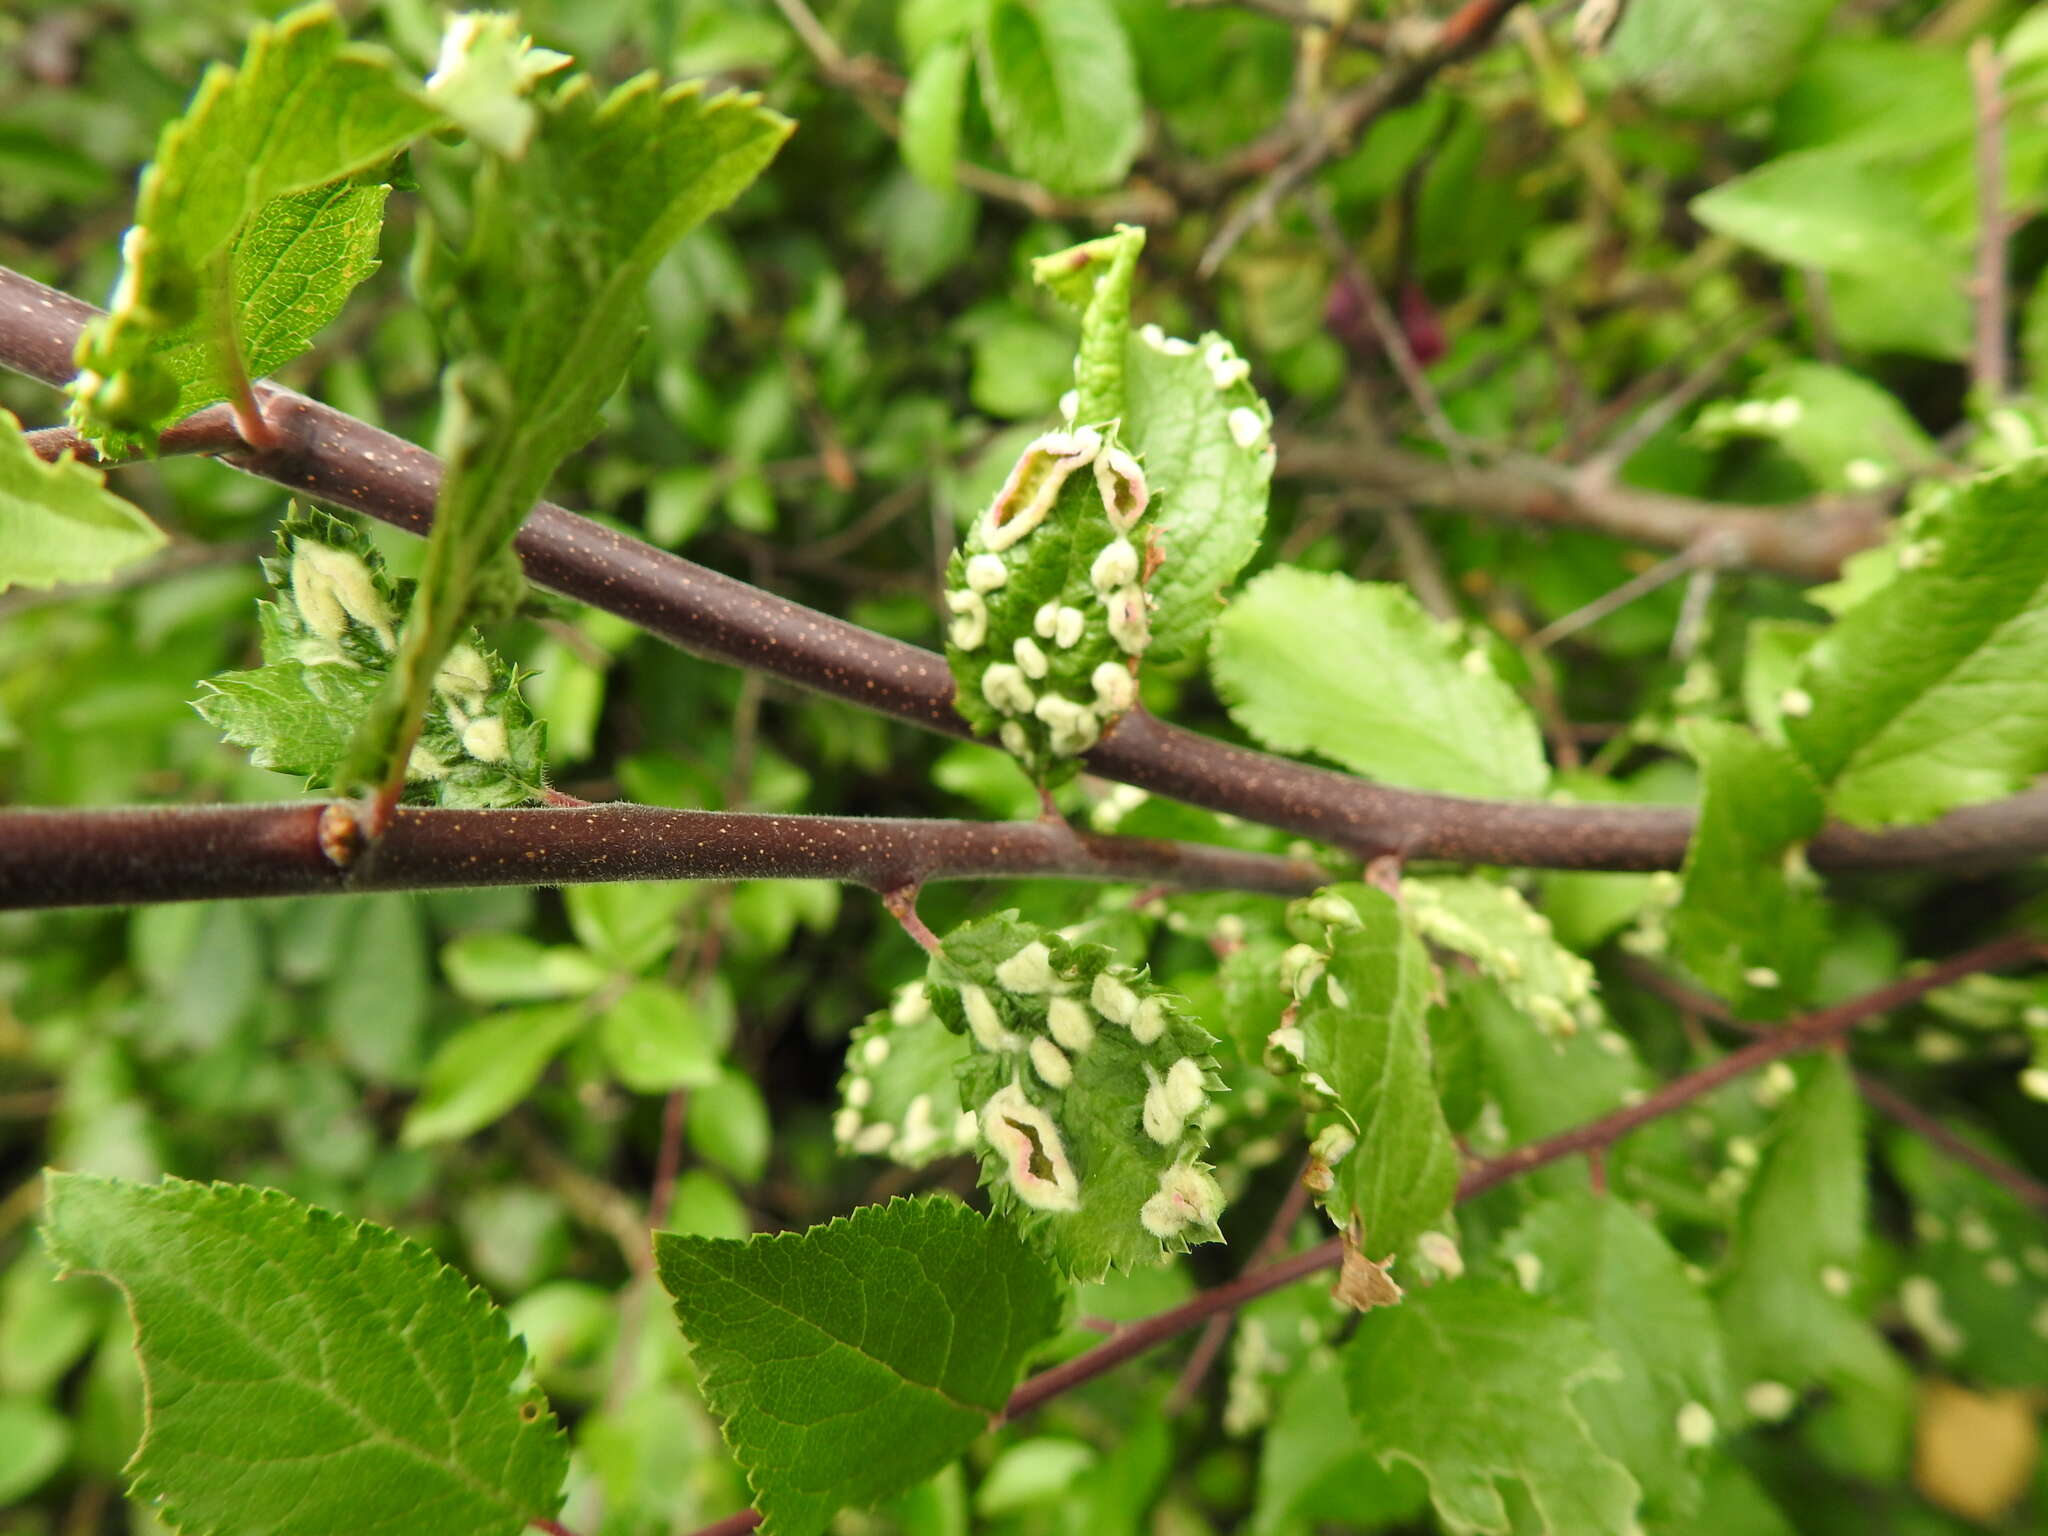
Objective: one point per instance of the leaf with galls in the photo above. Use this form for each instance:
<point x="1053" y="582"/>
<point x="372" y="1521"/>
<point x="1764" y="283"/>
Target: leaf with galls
<point x="1090" y="1085"/>
<point x="900" y="1097"/>
<point x="329" y="639"/>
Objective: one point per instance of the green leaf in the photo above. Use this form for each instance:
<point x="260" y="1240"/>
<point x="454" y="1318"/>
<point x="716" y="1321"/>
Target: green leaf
<point x="512" y="968"/>
<point x="1089" y="1082"/>
<point x="485" y="1068"/>
<point x="1313" y="1469"/>
<point x="899" y="1097"/>
<point x="729" y="1125"/>
<point x="220" y="222"/>
<point x="1356" y="671"/>
<point x="544" y="301"/>
<point x="1926" y="696"/>
<point x="1061" y="88"/>
<point x="1494" y="926"/>
<point x="1897" y="283"/>
<point x="656" y="1041"/>
<point x="1751" y="921"/>
<point x="1361" y="1005"/>
<point x="329" y="637"/>
<point x="307" y="1373"/>
<point x="932" y="105"/>
<point x="1473" y="1382"/>
<point x="1596" y="1258"/>
<point x="1204" y="437"/>
<point x="1710" y="58"/>
<point x="1783" y="1297"/>
<point x="850" y="1362"/>
<point x="59" y="523"/>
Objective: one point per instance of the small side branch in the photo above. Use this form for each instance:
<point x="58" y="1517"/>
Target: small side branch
<point x="58" y="858"/>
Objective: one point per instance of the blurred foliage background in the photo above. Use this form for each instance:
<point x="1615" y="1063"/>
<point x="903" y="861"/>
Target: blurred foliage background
<point x="1731" y="252"/>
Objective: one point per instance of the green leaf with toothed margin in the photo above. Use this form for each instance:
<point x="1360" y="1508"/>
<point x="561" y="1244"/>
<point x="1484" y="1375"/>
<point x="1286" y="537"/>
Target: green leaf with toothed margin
<point x="59" y="523"/>
<point x="329" y="633"/>
<point x="850" y="1362"/>
<point x="1473" y="1383"/>
<point x="542" y="297"/>
<point x="306" y="1373"/>
<point x="1061" y="88"/>
<point x="1927" y="695"/>
<point x="1090" y="1084"/>
<point x="1750" y="922"/>
<point x="1358" y="673"/>
<point x="1596" y="1257"/>
<point x="240" y="229"/>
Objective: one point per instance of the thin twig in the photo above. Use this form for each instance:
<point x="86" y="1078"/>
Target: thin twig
<point x="1663" y="573"/>
<point x="1988" y="371"/>
<point x="1661" y="412"/>
<point x="1393" y="340"/>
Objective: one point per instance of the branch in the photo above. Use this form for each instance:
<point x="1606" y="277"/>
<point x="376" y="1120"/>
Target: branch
<point x="335" y="458"/>
<point x="1807" y="540"/>
<point x="57" y="858"/>
<point x="1811" y="1032"/>
<point x="1414" y="58"/>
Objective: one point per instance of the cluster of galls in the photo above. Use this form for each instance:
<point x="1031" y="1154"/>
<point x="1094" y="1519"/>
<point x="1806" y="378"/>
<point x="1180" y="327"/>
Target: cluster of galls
<point x="1043" y="1018"/>
<point x="1049" y="704"/>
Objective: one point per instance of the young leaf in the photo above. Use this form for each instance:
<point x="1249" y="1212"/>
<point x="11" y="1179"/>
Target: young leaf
<point x="1511" y="943"/>
<point x="1061" y="88"/>
<point x="544" y="301"/>
<point x="1089" y="1083"/>
<point x="485" y="1068"/>
<point x="1096" y="278"/>
<point x="307" y="1373"/>
<point x="1205" y="438"/>
<point x="1047" y="593"/>
<point x="1926" y="696"/>
<point x="58" y="523"/>
<point x="328" y="641"/>
<point x="1361" y="996"/>
<point x="1357" y="672"/>
<point x="849" y="1362"/>
<point x="218" y="225"/>
<point x="900" y="1095"/>
<point x="1751" y="922"/>
<point x="1602" y="1262"/>
<point x="1783" y="1296"/>
<point x="1474" y="1382"/>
